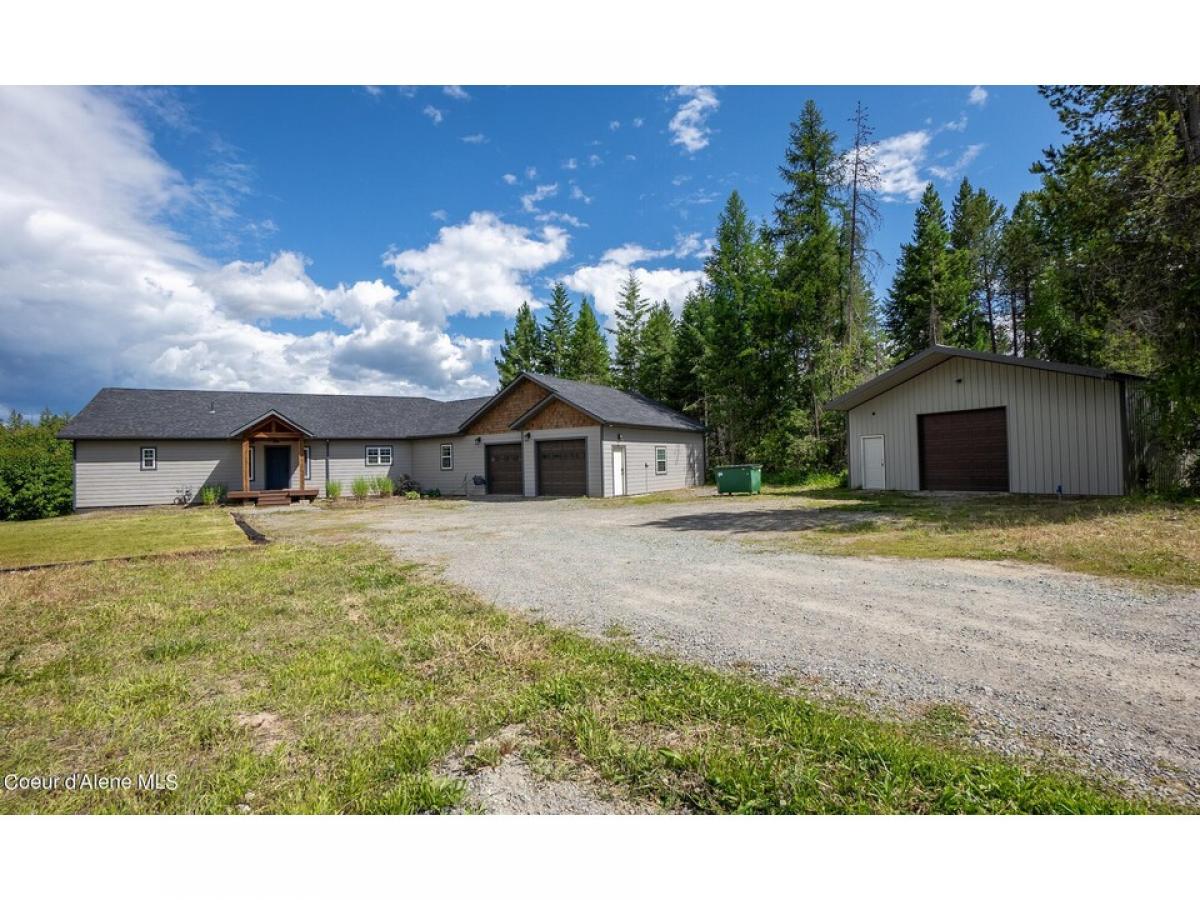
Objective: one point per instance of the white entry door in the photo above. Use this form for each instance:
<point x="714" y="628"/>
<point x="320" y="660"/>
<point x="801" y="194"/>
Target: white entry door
<point x="873" y="469"/>
<point x="618" y="471"/>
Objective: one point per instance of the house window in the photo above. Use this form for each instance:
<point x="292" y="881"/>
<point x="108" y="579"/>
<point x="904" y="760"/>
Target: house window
<point x="379" y="456"/>
<point x="149" y="459"/>
<point x="447" y="457"/>
<point x="660" y="460"/>
<point x="307" y="461"/>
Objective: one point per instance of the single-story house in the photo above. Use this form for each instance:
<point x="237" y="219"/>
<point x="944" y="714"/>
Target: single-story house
<point x="963" y="420"/>
<point x="539" y="436"/>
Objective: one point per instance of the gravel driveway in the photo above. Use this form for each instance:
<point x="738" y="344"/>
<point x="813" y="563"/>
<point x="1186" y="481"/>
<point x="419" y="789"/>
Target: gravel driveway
<point x="1043" y="660"/>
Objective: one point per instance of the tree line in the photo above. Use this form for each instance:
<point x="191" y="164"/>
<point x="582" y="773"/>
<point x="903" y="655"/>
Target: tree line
<point x="36" y="468"/>
<point x="1100" y="265"/>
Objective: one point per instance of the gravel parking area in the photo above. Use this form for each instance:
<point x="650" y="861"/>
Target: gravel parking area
<point x="1040" y="660"/>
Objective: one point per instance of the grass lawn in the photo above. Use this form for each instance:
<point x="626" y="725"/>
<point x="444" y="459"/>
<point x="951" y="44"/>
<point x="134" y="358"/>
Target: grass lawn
<point x="1126" y="537"/>
<point x="108" y="535"/>
<point x="307" y="677"/>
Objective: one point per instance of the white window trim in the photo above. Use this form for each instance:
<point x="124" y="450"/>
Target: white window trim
<point x="153" y="467"/>
<point x="664" y="461"/>
<point x="252" y="455"/>
<point x="308" y="462"/>
<point x="379" y="451"/>
<point x="443" y="457"/>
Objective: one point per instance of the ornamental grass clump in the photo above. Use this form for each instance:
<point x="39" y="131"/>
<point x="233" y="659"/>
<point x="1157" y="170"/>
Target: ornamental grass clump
<point x="361" y="488"/>
<point x="384" y="486"/>
<point x="333" y="489"/>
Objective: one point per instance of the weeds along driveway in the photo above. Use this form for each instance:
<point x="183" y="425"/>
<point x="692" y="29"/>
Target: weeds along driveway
<point x="1040" y="660"/>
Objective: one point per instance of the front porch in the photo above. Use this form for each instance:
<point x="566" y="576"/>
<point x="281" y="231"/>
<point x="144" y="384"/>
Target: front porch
<point x="284" y="463"/>
<point x="272" y="498"/>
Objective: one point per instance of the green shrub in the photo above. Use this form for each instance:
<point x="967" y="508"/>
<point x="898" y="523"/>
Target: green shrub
<point x="384" y="486"/>
<point x="333" y="489"/>
<point x="36" y="468"/>
<point x="412" y="495"/>
<point x="361" y="488"/>
<point x="212" y="494"/>
<point x="435" y="492"/>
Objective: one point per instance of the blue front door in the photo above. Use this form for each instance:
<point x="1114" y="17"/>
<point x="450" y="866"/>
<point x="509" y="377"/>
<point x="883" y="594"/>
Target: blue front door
<point x="279" y="465"/>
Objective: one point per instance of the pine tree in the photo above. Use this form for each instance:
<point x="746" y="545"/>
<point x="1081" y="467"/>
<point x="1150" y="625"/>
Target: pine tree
<point x="630" y="316"/>
<point x="587" y="356"/>
<point x="556" y="333"/>
<point x="687" y="356"/>
<point x="914" y="314"/>
<point x="658" y="344"/>
<point x="861" y="180"/>
<point x="1022" y="259"/>
<point x="968" y="314"/>
<point x="522" y="348"/>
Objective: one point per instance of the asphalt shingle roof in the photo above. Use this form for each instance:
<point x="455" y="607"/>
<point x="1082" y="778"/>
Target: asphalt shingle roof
<point x="616" y="407"/>
<point x="141" y="413"/>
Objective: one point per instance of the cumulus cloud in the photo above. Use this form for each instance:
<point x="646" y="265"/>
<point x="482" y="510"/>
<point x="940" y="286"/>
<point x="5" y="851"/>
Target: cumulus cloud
<point x="900" y="159"/>
<point x="578" y="194"/>
<point x="689" y="126"/>
<point x="510" y="178"/>
<point x="475" y="268"/>
<point x="638" y="122"/>
<point x="603" y="280"/>
<point x="107" y="292"/>
<point x="614" y="125"/>
<point x="571" y="163"/>
<point x="978" y="96"/>
<point x="456" y="92"/>
<point x="474" y="138"/>
<point x="434" y="113"/>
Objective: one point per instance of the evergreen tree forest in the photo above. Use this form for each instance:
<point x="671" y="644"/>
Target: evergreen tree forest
<point x="1100" y="265"/>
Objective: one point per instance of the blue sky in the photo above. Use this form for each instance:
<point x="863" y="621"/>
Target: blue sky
<point x="378" y="240"/>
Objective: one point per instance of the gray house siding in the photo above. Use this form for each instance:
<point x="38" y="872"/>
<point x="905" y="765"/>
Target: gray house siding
<point x="348" y="460"/>
<point x="685" y="459"/>
<point x="108" y="473"/>
<point x="1063" y="429"/>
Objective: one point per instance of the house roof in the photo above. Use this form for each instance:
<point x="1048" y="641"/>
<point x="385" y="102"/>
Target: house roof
<point x="938" y="354"/>
<point x="607" y="405"/>
<point x="172" y="414"/>
<point x="144" y="414"/>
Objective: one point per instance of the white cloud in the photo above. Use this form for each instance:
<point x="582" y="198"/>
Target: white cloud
<point x="510" y="178"/>
<point x="959" y="124"/>
<point x="531" y="172"/>
<point x="456" y="92"/>
<point x="434" y="113"/>
<point x="373" y="89"/>
<point x="107" y="292"/>
<point x="679" y="180"/>
<point x="978" y="96"/>
<point x="952" y="171"/>
<point x="439" y="214"/>
<point x="571" y="163"/>
<point x="474" y="139"/>
<point x="689" y="126"/>
<point x="476" y="268"/>
<point x="629" y="157"/>
<point x="614" y="125"/>
<point x="595" y="160"/>
<point x="578" y="194"/>
<point x="565" y="218"/>
<point x="529" y="202"/>
<point x="638" y="122"/>
<point x="603" y="281"/>
<point x="900" y="159"/>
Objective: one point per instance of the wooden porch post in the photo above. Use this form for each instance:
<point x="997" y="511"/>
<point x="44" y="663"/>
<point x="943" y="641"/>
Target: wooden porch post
<point x="245" y="464"/>
<point x="303" y="461"/>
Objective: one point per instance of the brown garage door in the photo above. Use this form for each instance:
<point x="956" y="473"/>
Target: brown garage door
<point x="562" y="468"/>
<point x="503" y="469"/>
<point x="964" y="451"/>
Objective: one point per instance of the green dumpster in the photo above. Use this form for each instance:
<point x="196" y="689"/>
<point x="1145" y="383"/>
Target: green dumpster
<point x="746" y="479"/>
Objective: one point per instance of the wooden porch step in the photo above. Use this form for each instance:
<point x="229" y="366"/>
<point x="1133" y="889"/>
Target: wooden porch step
<point x="273" y="498"/>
